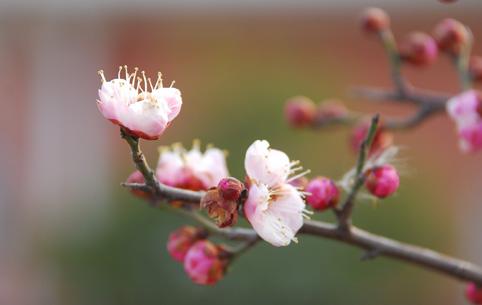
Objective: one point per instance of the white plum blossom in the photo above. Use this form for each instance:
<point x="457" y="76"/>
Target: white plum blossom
<point x="143" y="109"/>
<point x="465" y="109"/>
<point x="191" y="169"/>
<point x="274" y="207"/>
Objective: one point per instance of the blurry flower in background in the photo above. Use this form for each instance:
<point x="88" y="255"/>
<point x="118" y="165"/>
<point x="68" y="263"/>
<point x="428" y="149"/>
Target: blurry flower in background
<point x="465" y="110"/>
<point x="191" y="169"/>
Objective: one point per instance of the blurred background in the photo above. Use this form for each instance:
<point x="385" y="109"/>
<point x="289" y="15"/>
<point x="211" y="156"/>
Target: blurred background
<point x="70" y="234"/>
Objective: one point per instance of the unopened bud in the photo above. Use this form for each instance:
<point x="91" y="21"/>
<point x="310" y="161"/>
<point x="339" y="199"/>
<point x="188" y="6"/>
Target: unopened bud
<point x="475" y="68"/>
<point x="230" y="188"/>
<point x="473" y="293"/>
<point x="137" y="177"/>
<point x="223" y="212"/>
<point x="300" y="111"/>
<point x="181" y="240"/>
<point x="382" y="181"/>
<point x="374" y="20"/>
<point x="323" y="193"/>
<point x="419" y="49"/>
<point x="329" y="110"/>
<point x="205" y="263"/>
<point x="451" y="36"/>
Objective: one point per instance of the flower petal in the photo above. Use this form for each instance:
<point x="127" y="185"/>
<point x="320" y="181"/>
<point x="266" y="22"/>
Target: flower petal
<point x="266" y="165"/>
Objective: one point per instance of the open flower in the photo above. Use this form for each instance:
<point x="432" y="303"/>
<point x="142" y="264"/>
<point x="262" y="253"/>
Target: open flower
<point x="274" y="207"/>
<point x="191" y="169"/>
<point x="143" y="109"/>
<point x="465" y="109"/>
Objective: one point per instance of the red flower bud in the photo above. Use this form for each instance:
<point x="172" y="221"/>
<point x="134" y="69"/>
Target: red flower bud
<point x="451" y="36"/>
<point x="137" y="177"/>
<point x="223" y="212"/>
<point x="381" y="140"/>
<point x="300" y="111"/>
<point x="419" y="49"/>
<point x="205" y="263"/>
<point x="330" y="110"/>
<point x="230" y="188"/>
<point x="382" y="181"/>
<point x="323" y="193"/>
<point x="475" y="68"/>
<point x="473" y="293"/>
<point x="181" y="240"/>
<point x="374" y="20"/>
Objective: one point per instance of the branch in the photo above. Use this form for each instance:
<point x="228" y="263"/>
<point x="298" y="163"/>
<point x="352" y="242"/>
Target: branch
<point x="426" y="102"/>
<point x="376" y="245"/>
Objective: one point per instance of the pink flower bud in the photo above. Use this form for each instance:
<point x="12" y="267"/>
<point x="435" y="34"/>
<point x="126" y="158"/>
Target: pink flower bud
<point x="419" y="49"/>
<point x="470" y="137"/>
<point x="382" y="181"/>
<point x="204" y="263"/>
<point x="330" y="110"/>
<point x="181" y="240"/>
<point x="374" y="20"/>
<point x="300" y="111"/>
<point x="451" y="35"/>
<point x="381" y="140"/>
<point x="230" y="188"/>
<point x="473" y="293"/>
<point x="475" y="68"/>
<point x="223" y="212"/>
<point x="323" y="193"/>
<point x="137" y="177"/>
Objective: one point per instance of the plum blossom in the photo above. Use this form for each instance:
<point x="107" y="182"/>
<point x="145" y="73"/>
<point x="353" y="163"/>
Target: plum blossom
<point x="191" y="169"/>
<point x="143" y="109"/>
<point x="465" y="110"/>
<point x="274" y="207"/>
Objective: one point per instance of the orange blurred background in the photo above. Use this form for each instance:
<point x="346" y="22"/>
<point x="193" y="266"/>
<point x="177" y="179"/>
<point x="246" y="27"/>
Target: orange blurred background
<point x="71" y="235"/>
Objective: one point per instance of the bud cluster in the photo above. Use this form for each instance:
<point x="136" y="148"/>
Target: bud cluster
<point x="221" y="202"/>
<point x="204" y="262"/>
<point x="301" y="111"/>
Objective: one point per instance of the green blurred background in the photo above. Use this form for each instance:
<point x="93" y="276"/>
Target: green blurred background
<point x="72" y="235"/>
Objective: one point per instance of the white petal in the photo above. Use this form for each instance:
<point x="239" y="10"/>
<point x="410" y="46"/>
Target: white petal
<point x="172" y="98"/>
<point x="265" y="165"/>
<point x="278" y="221"/>
<point x="169" y="167"/>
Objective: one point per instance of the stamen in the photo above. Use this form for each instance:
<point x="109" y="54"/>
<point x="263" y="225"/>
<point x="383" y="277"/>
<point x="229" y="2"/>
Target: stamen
<point x="127" y="73"/>
<point x="133" y="75"/>
<point x="159" y="80"/>
<point x="102" y="77"/>
<point x="196" y="144"/>
<point x="293" y="170"/>
<point x="145" y="80"/>
<point x="139" y="81"/>
<point x="150" y="83"/>
<point x="172" y="83"/>
<point x="294" y="162"/>
<point x="118" y="73"/>
<point x="306" y="172"/>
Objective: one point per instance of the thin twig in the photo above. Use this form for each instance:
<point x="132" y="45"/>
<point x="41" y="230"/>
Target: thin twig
<point x="344" y="215"/>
